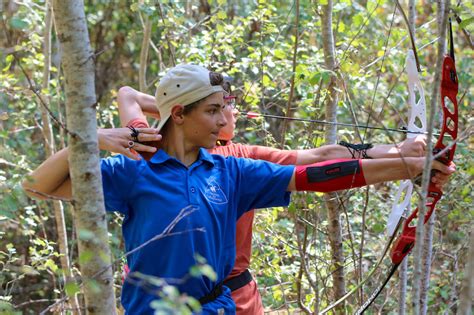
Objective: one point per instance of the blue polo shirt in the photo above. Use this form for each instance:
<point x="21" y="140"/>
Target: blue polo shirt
<point x="216" y="189"/>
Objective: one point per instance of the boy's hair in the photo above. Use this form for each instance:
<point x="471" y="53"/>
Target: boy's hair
<point x="216" y="79"/>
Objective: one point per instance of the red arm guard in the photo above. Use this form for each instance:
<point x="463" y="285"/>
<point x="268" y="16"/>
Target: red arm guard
<point x="330" y="176"/>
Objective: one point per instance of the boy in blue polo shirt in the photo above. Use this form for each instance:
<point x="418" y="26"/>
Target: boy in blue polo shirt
<point x="214" y="191"/>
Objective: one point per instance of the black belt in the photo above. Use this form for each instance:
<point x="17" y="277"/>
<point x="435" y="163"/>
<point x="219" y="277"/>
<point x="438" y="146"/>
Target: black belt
<point x="211" y="296"/>
<point x="239" y="281"/>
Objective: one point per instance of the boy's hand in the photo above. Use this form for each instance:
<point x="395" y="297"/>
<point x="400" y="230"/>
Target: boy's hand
<point x="119" y="140"/>
<point x="413" y="147"/>
<point x="440" y="176"/>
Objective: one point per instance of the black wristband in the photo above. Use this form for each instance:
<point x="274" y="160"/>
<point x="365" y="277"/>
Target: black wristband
<point x="357" y="151"/>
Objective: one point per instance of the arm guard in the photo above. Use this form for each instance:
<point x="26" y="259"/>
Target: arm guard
<point x="329" y="176"/>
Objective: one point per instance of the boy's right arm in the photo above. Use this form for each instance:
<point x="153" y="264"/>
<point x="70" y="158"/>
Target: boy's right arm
<point x="135" y="105"/>
<point x="51" y="178"/>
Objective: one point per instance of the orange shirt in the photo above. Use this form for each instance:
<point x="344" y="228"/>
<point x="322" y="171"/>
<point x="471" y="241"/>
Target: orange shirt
<point x="244" y="224"/>
<point x="247" y="299"/>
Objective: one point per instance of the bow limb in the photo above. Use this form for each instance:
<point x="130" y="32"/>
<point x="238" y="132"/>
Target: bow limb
<point x="416" y="123"/>
<point x="410" y="33"/>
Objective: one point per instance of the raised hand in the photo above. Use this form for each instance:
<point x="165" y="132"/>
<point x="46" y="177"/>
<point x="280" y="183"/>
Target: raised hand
<point x="121" y="140"/>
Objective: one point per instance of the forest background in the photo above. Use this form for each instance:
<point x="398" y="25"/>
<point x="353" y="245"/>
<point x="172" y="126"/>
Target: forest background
<point x="274" y="52"/>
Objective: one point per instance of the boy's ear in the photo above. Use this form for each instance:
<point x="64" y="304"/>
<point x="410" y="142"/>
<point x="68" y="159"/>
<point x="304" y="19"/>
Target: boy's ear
<point x="177" y="114"/>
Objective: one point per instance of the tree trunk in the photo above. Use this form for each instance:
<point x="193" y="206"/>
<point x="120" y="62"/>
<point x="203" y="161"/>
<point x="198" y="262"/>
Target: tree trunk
<point x="90" y="219"/>
<point x="417" y="251"/>
<point x="427" y="255"/>
<point x="335" y="228"/>
<point x="144" y="53"/>
<point x="293" y="73"/>
<point x="49" y="145"/>
<point x="467" y="290"/>
<point x="403" y="286"/>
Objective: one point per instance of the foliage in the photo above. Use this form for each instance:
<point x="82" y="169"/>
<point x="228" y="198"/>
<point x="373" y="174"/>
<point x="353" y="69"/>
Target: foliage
<point x="253" y="43"/>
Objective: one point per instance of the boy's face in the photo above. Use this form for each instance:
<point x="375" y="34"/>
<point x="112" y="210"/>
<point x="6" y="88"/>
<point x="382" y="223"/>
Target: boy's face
<point x="230" y="113"/>
<point x="203" y="124"/>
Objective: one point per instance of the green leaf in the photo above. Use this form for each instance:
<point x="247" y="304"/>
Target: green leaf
<point x="221" y="15"/>
<point x="314" y="80"/>
<point x="72" y="288"/>
<point x="280" y="54"/>
<point x="29" y="270"/>
<point x="207" y="271"/>
<point x="357" y="20"/>
<point x="18" y="23"/>
<point x="466" y="22"/>
<point x="371" y="6"/>
<point x="51" y="265"/>
<point x="266" y="80"/>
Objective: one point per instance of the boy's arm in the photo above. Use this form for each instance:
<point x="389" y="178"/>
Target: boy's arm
<point x="51" y="178"/>
<point x="345" y="174"/>
<point x="412" y="147"/>
<point x="135" y="105"/>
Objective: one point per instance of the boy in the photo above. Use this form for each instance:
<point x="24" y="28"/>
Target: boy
<point x="183" y="175"/>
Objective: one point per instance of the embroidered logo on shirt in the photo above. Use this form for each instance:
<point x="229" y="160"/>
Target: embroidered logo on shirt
<point x="214" y="193"/>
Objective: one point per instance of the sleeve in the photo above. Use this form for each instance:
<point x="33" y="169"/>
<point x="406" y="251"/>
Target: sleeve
<point x="138" y="123"/>
<point x="282" y="157"/>
<point x="117" y="179"/>
<point x="261" y="184"/>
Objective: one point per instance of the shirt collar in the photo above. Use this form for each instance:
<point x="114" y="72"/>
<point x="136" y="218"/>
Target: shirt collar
<point x="205" y="156"/>
<point x="161" y="157"/>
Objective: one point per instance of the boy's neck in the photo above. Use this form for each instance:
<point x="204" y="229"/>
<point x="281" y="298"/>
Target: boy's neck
<point x="176" y="146"/>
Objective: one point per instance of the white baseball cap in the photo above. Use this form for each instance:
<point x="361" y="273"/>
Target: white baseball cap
<point x="183" y="85"/>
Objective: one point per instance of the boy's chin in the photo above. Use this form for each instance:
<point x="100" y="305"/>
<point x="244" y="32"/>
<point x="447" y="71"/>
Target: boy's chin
<point x="209" y="146"/>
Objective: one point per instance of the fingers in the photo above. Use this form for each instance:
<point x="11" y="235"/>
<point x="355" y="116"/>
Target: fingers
<point x="145" y="134"/>
<point x="446" y="169"/>
<point x="142" y="137"/>
<point x="442" y="177"/>
<point x="144" y="148"/>
<point x="131" y="154"/>
<point x="147" y="130"/>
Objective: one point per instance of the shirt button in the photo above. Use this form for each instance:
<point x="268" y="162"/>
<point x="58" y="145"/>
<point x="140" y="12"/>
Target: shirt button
<point x="193" y="190"/>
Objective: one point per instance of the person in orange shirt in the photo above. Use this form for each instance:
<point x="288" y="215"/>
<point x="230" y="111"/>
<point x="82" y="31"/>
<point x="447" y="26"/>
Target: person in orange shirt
<point x="134" y="106"/>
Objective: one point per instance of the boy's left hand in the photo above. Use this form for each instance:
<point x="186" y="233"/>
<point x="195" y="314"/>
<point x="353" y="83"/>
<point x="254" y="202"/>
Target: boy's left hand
<point x="413" y="147"/>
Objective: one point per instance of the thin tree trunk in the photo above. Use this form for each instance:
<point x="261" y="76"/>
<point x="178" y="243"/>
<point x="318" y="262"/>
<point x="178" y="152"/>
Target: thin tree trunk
<point x="335" y="228"/>
<point x="427" y="256"/>
<point x="292" y="86"/>
<point x="467" y="289"/>
<point x="403" y="286"/>
<point x="144" y="53"/>
<point x="417" y="252"/>
<point x="403" y="272"/>
<point x="50" y="148"/>
<point x="90" y="219"/>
